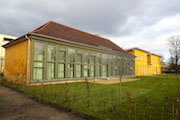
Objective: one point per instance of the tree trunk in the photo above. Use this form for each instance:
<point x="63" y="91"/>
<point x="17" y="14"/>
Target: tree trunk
<point x="177" y="64"/>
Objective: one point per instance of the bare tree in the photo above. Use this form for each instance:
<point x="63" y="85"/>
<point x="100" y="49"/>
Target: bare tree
<point x="121" y="74"/>
<point x="162" y="57"/>
<point x="174" y="49"/>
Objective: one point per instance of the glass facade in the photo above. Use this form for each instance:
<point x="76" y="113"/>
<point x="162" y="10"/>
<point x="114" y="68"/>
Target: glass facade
<point x="98" y="65"/>
<point x="61" y="62"/>
<point x="38" y="72"/>
<point x="93" y="61"/>
<point x="52" y="62"/>
<point x="86" y="64"/>
<point x="104" y="65"/>
<point x="79" y="65"/>
<point x="71" y="61"/>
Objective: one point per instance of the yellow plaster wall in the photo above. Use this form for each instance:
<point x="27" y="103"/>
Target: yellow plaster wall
<point x="140" y="63"/>
<point x="146" y="64"/>
<point x="155" y="64"/>
<point x="16" y="62"/>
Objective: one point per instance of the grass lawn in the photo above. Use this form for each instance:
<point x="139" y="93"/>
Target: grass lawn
<point x="153" y="97"/>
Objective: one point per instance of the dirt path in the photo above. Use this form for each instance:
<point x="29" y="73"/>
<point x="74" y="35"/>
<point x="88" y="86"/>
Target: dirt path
<point x="15" y="106"/>
<point x="113" y="81"/>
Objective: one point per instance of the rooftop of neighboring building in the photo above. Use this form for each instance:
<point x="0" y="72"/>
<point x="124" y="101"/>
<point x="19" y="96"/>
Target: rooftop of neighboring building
<point x="149" y="53"/>
<point x="136" y="48"/>
<point x="154" y="54"/>
<point x="6" y="38"/>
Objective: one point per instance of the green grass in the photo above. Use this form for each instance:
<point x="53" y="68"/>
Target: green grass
<point x="148" y="98"/>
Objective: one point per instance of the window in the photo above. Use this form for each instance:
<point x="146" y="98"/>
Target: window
<point x="61" y="70"/>
<point x="114" y="67"/>
<point x="39" y="52"/>
<point x="51" y="59"/>
<point x="119" y="65"/>
<point x="71" y="60"/>
<point x="93" y="61"/>
<point x="62" y="54"/>
<point x="78" y="71"/>
<point x="79" y="65"/>
<point x="104" y="70"/>
<point x="38" y="71"/>
<point x="86" y="64"/>
<point x="50" y="71"/>
<point x="71" y="55"/>
<point x="61" y="62"/>
<point x="104" y="65"/>
<point x="70" y="70"/>
<point x="110" y="65"/>
<point x="98" y="65"/>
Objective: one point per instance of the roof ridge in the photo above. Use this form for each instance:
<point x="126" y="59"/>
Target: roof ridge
<point x="79" y="30"/>
<point x="41" y="27"/>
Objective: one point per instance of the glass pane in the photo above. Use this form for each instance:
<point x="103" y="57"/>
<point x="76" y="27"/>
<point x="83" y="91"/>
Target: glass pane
<point x="86" y="71"/>
<point x="98" y="72"/>
<point x="38" y="64"/>
<point x="61" y="71"/>
<point x="114" y="60"/>
<point x="93" y="59"/>
<point x="50" y="71"/>
<point x="98" y="59"/>
<point x="79" y="58"/>
<point x="105" y="59"/>
<point x="110" y="59"/>
<point x="109" y="70"/>
<point x="51" y="53"/>
<point x="119" y="70"/>
<point x="104" y="70"/>
<point x="38" y="74"/>
<point x="62" y="56"/>
<point x="39" y="51"/>
<point x="78" y="71"/>
<point x="70" y="70"/>
<point x="71" y="55"/>
<point x="86" y="58"/>
<point x="92" y="70"/>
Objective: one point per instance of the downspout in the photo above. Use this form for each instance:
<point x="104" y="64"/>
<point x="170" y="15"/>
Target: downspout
<point x="27" y="74"/>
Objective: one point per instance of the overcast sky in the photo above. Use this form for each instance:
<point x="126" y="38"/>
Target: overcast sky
<point x="146" y="24"/>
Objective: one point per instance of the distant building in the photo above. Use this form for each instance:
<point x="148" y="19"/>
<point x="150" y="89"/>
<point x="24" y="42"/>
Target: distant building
<point x="146" y="63"/>
<point x="165" y="67"/>
<point x="55" y="52"/>
<point x="3" y="40"/>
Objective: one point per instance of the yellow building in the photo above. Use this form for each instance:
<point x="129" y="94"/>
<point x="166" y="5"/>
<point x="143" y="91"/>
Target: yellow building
<point x="146" y="63"/>
<point x="3" y="40"/>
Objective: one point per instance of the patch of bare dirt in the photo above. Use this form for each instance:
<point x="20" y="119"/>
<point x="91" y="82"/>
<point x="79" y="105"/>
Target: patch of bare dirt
<point x="113" y="81"/>
<point x="15" y="106"/>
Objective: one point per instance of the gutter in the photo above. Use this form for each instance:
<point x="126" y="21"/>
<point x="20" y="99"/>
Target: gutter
<point x="27" y="74"/>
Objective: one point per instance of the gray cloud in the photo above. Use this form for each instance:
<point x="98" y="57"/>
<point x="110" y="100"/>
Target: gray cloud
<point x="98" y="16"/>
<point x="139" y="21"/>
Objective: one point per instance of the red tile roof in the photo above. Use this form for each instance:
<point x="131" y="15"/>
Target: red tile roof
<point x="60" y="31"/>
